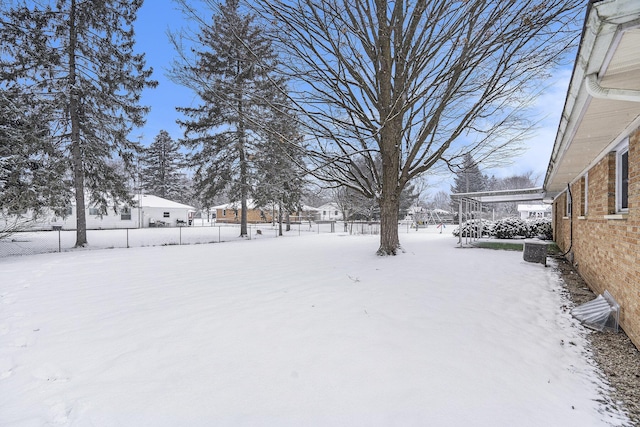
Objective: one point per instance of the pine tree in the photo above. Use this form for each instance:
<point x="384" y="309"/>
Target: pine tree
<point x="31" y="170"/>
<point x="161" y="169"/>
<point x="233" y="73"/>
<point x="279" y="164"/>
<point x="78" y="57"/>
<point x="469" y="179"/>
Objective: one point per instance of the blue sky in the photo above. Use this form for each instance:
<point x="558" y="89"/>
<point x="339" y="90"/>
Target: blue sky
<point x="157" y="16"/>
<point x="154" y="19"/>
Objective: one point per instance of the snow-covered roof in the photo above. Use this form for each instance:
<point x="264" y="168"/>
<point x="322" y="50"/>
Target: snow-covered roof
<point x="307" y="208"/>
<point x="251" y="205"/>
<point x="330" y="205"/>
<point x="236" y="205"/>
<point x="151" y="201"/>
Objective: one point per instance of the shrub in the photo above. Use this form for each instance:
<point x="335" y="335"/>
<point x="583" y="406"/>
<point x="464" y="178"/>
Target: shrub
<point x="470" y="228"/>
<point x="509" y="228"/>
<point x="540" y="228"/>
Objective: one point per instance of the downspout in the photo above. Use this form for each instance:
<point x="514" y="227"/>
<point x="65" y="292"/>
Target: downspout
<point x="596" y="91"/>
<point x="570" y="196"/>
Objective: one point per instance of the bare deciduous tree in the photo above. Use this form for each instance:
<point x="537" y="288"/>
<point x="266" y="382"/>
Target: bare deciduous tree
<point x="417" y="84"/>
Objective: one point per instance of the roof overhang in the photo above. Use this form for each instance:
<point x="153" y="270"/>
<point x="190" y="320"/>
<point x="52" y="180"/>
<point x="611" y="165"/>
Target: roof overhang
<point x="525" y="195"/>
<point x="603" y="101"/>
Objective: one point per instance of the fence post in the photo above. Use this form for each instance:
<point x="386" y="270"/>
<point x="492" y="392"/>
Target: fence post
<point x="180" y="236"/>
<point x="127" y="238"/>
<point x="59" y="241"/>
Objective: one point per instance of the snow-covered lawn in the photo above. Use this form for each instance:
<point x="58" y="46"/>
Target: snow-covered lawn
<point x="311" y="330"/>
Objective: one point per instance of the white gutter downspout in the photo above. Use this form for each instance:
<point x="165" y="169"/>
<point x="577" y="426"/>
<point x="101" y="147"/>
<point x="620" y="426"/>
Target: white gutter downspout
<point x="595" y="90"/>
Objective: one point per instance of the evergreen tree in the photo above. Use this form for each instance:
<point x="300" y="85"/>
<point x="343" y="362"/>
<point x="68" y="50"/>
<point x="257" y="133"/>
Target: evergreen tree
<point x="77" y="56"/>
<point x="279" y="164"/>
<point x="31" y="170"/>
<point x="469" y="179"/>
<point x="161" y="169"/>
<point x="233" y="73"/>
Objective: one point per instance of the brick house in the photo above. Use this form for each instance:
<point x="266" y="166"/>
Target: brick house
<point x="231" y="212"/>
<point x="593" y="176"/>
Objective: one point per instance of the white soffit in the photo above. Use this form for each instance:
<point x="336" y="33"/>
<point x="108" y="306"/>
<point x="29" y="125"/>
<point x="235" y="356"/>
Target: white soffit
<point x="600" y="123"/>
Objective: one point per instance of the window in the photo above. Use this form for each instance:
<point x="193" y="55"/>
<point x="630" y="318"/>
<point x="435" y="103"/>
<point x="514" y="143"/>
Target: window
<point x="125" y="214"/>
<point x="94" y="211"/>
<point x="622" y="177"/>
<point x="569" y="204"/>
<point x="166" y="215"/>
<point x="67" y="212"/>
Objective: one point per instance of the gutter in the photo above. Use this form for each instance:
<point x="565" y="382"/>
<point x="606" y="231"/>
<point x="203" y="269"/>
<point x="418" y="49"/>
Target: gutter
<point x="596" y="91"/>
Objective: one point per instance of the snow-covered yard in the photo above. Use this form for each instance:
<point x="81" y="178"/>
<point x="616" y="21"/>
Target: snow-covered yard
<point x="311" y="330"/>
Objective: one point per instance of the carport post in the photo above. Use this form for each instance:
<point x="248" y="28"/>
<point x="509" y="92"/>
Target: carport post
<point x="460" y="221"/>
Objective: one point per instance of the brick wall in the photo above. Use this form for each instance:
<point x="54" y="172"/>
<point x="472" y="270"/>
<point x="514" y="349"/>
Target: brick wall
<point x="606" y="247"/>
<point x="233" y="216"/>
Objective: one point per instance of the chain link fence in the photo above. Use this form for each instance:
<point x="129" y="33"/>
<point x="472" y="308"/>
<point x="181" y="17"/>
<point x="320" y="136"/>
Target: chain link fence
<point x="35" y="242"/>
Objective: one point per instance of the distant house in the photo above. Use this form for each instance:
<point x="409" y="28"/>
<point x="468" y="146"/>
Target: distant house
<point x="146" y="211"/>
<point x="329" y="212"/>
<point x="154" y="209"/>
<point x="532" y="211"/>
<point x="231" y="213"/>
<point x="593" y="176"/>
<point x="306" y="213"/>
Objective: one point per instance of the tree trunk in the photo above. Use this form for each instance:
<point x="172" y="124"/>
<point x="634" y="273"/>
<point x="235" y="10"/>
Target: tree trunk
<point x="243" y="163"/>
<point x="76" y="149"/>
<point x="389" y="240"/>
<point x="280" y="219"/>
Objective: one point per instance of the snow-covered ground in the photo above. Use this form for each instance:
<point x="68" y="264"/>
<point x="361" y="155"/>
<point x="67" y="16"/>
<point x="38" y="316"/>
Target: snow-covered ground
<point x="306" y="330"/>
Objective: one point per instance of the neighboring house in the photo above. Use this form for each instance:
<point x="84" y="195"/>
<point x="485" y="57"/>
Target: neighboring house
<point x="147" y="210"/>
<point x="231" y="213"/>
<point x="594" y="172"/>
<point x="162" y="211"/>
<point x="539" y="210"/>
<point x="307" y="213"/>
<point x="330" y="212"/>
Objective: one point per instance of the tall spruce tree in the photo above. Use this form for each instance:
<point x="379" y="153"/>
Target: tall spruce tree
<point x="161" y="168"/>
<point x="469" y="179"/>
<point x="77" y="56"/>
<point x="279" y="164"/>
<point x="32" y="171"/>
<point x="232" y="68"/>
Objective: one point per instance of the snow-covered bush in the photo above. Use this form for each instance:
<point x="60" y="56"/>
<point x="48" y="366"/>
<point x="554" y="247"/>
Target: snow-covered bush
<point x="470" y="228"/>
<point x="540" y="227"/>
<point x="508" y="228"/>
